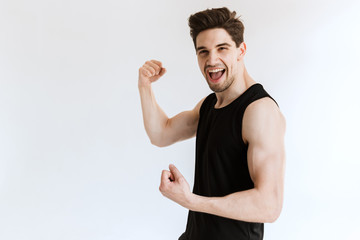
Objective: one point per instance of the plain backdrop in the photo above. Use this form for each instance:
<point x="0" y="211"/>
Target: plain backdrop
<point x="75" y="161"/>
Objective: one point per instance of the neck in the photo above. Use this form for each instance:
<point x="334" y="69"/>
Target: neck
<point x="240" y="84"/>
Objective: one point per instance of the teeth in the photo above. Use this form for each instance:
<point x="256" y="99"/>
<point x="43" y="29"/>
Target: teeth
<point x="215" y="70"/>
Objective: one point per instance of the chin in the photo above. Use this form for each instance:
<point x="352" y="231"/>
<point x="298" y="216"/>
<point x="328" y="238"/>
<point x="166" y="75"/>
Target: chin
<point x="220" y="86"/>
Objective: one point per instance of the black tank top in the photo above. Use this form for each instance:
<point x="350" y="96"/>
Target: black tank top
<point x="221" y="167"/>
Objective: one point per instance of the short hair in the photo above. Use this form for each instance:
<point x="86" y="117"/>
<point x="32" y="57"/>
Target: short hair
<point x="217" y="18"/>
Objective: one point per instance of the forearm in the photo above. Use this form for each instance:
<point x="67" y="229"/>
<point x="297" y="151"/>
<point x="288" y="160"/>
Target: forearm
<point x="155" y="119"/>
<point x="250" y="206"/>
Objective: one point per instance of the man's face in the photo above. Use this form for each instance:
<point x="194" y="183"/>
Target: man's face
<point x="218" y="58"/>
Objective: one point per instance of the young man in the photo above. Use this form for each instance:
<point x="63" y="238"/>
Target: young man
<point x="239" y="129"/>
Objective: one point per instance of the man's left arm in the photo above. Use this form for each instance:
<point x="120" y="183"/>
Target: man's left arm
<point x="263" y="131"/>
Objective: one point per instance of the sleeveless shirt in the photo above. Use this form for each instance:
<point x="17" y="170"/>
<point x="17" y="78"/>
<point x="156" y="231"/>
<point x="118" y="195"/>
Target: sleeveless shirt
<point x="221" y="167"/>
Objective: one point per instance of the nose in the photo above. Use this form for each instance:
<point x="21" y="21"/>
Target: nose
<point x="212" y="58"/>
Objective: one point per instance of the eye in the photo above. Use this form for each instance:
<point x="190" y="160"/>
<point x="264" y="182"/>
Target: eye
<point x="203" y="52"/>
<point x="222" y="48"/>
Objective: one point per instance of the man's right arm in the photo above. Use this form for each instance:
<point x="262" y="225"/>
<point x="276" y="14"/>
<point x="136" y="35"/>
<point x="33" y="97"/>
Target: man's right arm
<point x="163" y="131"/>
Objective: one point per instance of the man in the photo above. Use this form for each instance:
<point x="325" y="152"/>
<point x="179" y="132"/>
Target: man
<point x="239" y="129"/>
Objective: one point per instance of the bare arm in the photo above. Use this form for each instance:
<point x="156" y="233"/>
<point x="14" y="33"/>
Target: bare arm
<point x="163" y="131"/>
<point x="263" y="130"/>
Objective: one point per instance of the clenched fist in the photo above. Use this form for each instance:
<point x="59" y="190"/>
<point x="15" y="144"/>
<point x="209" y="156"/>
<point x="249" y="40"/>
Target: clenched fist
<point x="174" y="186"/>
<point x="150" y="72"/>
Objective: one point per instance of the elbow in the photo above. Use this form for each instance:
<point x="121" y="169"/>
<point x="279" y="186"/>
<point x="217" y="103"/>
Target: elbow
<point x="271" y="205"/>
<point x="158" y="137"/>
<point x="273" y="213"/>
<point x="155" y="139"/>
<point x="158" y="143"/>
<point x="272" y="217"/>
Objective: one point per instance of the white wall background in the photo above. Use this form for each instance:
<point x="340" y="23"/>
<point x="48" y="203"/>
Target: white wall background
<point x="75" y="162"/>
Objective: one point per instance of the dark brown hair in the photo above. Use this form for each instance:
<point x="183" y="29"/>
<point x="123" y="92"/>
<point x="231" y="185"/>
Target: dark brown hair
<point x="217" y="18"/>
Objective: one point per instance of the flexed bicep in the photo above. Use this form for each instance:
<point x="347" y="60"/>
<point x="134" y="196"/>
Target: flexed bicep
<point x="264" y="129"/>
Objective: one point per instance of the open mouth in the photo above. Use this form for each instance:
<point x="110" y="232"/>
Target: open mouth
<point x="215" y="74"/>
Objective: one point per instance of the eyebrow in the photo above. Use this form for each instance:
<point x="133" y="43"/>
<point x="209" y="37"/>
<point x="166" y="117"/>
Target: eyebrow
<point x="219" y="45"/>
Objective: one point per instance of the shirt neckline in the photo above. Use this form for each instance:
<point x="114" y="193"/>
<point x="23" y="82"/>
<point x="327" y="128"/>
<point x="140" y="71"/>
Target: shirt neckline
<point x="235" y="100"/>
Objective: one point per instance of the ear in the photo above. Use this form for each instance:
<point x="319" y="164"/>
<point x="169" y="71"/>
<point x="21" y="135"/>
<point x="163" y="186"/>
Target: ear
<point x="242" y="51"/>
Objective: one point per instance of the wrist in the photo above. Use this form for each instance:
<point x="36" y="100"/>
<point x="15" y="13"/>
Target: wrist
<point x="193" y="202"/>
<point x="144" y="85"/>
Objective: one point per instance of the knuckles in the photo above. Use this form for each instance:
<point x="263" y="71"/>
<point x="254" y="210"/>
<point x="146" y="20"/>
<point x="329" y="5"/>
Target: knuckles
<point x="151" y="67"/>
<point x="181" y="180"/>
<point x="163" y="188"/>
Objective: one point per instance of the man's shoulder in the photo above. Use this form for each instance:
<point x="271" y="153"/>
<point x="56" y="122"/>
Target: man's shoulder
<point x="260" y="115"/>
<point x="263" y="105"/>
<point x="262" y="110"/>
